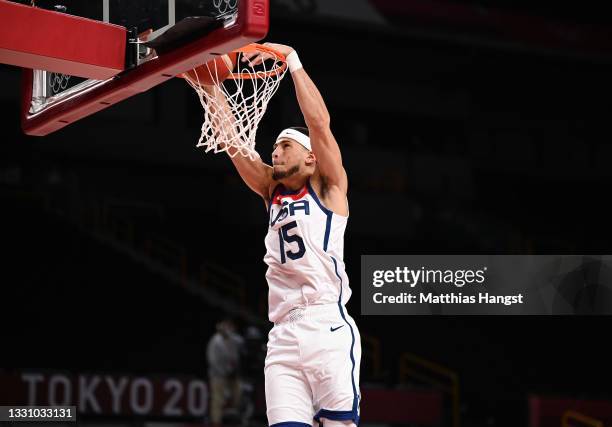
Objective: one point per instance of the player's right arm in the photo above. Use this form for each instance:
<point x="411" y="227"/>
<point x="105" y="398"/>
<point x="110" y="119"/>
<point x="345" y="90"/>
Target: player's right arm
<point x="255" y="173"/>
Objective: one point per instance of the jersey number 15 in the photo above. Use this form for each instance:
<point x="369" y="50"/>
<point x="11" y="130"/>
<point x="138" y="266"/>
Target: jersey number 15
<point x="284" y="237"/>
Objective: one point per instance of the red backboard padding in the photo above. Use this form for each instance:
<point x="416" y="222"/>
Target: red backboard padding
<point x="36" y="38"/>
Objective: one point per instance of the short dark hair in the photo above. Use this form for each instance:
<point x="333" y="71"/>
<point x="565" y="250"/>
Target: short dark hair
<point x="301" y="129"/>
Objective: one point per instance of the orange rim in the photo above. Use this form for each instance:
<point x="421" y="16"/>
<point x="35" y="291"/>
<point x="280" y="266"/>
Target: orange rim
<point x="255" y="47"/>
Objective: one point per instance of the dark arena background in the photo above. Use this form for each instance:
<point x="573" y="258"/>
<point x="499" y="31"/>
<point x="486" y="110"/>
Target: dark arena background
<point x="466" y="127"/>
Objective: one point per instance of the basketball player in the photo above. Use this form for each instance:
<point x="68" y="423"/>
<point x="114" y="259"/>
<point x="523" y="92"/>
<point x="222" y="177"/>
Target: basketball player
<point x="314" y="348"/>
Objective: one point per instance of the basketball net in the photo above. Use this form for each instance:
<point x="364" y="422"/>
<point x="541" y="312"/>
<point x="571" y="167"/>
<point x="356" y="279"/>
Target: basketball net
<point x="233" y="107"/>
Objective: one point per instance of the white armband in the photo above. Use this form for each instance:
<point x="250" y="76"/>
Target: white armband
<point x="293" y="61"/>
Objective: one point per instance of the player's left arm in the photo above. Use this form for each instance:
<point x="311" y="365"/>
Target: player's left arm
<point x="324" y="146"/>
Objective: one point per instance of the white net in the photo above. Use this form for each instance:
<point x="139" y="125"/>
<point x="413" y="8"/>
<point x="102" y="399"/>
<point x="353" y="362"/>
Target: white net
<point x="233" y="107"/>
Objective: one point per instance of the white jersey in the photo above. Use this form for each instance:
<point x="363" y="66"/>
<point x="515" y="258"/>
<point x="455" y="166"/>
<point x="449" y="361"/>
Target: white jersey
<point x="305" y="249"/>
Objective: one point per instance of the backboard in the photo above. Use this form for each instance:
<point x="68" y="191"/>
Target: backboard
<point x="164" y="38"/>
<point x="142" y="14"/>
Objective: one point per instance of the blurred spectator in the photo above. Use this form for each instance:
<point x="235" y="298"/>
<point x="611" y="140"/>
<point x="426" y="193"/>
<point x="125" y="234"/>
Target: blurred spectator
<point x="223" y="356"/>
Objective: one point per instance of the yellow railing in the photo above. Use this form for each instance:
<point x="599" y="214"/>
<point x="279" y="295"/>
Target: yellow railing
<point x="408" y="368"/>
<point x="108" y="219"/>
<point x="225" y="281"/>
<point x="576" y="419"/>
<point x="168" y="253"/>
<point x="104" y="216"/>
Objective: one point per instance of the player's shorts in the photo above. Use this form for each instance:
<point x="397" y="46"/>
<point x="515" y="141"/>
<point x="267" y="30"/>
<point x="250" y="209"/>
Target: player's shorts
<point x="312" y="367"/>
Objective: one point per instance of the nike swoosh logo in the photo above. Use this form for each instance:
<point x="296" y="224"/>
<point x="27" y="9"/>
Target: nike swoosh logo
<point x="332" y="329"/>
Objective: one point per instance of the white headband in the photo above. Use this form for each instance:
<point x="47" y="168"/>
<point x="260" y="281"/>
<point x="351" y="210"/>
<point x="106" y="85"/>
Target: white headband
<point x="296" y="136"/>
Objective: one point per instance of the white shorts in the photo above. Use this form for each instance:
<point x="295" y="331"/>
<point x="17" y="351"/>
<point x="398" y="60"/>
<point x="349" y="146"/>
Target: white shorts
<point x="312" y="367"/>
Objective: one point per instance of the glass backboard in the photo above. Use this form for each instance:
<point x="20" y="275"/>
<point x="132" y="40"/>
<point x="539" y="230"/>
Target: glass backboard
<point x="164" y="38"/>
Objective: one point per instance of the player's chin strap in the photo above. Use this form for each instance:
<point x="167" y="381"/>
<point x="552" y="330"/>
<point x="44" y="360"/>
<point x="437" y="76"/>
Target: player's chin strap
<point x="295" y="135"/>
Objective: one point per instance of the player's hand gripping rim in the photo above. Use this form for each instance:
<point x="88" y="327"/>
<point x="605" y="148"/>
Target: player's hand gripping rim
<point x="256" y="58"/>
